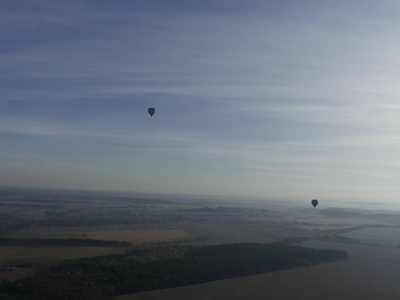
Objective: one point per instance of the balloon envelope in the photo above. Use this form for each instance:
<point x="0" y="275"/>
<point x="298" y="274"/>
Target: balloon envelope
<point x="151" y="111"/>
<point x="314" y="202"/>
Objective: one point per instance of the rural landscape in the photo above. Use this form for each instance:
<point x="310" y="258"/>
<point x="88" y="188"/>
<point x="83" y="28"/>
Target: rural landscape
<point x="94" y="245"/>
<point x="199" y="150"/>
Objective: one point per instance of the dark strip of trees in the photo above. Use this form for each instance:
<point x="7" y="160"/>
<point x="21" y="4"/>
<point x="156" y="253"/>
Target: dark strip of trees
<point x="164" y="266"/>
<point x="7" y="242"/>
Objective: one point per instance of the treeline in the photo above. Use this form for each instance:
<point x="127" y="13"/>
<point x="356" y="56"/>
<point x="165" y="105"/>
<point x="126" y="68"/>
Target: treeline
<point x="320" y="235"/>
<point x="293" y="240"/>
<point x="165" y="266"/>
<point x="7" y="242"/>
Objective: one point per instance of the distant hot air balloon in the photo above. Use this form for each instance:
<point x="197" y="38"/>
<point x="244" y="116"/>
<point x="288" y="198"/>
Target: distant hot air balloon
<point x="151" y="111"/>
<point x="314" y="202"/>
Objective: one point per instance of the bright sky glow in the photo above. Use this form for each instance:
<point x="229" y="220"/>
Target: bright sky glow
<point x="277" y="99"/>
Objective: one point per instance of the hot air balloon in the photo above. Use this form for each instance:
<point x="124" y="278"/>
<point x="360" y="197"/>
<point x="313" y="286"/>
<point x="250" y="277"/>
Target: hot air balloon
<point x="151" y="111"/>
<point x="314" y="202"/>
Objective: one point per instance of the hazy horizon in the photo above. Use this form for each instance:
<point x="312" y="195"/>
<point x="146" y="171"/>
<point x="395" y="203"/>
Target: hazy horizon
<point x="204" y="199"/>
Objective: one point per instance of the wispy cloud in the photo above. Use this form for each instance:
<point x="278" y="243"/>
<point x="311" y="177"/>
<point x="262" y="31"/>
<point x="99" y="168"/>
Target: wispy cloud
<point x="259" y="96"/>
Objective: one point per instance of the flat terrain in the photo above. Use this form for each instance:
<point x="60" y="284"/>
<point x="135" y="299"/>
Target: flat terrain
<point x="354" y="279"/>
<point x="127" y="233"/>
<point x="379" y="236"/>
<point x="216" y="234"/>
<point x="364" y="252"/>
<point x="50" y="255"/>
<point x="370" y="273"/>
<point x="371" y="237"/>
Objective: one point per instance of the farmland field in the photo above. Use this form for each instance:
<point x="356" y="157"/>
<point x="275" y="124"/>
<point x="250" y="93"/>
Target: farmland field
<point x="109" y="233"/>
<point x="380" y="236"/>
<point x="137" y="236"/>
<point x="50" y="255"/>
<point x="214" y="234"/>
<point x="370" y="273"/>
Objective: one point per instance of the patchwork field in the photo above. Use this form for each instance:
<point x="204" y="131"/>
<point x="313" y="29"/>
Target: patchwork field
<point x="137" y="236"/>
<point x="370" y="273"/>
<point x="215" y="234"/>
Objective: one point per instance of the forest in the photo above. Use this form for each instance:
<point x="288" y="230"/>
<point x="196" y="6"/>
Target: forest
<point x="164" y="266"/>
<point x="36" y="242"/>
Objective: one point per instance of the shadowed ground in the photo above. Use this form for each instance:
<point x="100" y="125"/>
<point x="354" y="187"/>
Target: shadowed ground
<point x="371" y="273"/>
<point x="351" y="279"/>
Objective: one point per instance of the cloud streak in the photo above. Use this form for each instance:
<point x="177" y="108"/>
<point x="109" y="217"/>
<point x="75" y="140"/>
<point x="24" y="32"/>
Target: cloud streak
<point x="263" y="97"/>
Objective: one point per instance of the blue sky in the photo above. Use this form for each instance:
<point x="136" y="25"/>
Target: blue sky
<point x="276" y="99"/>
